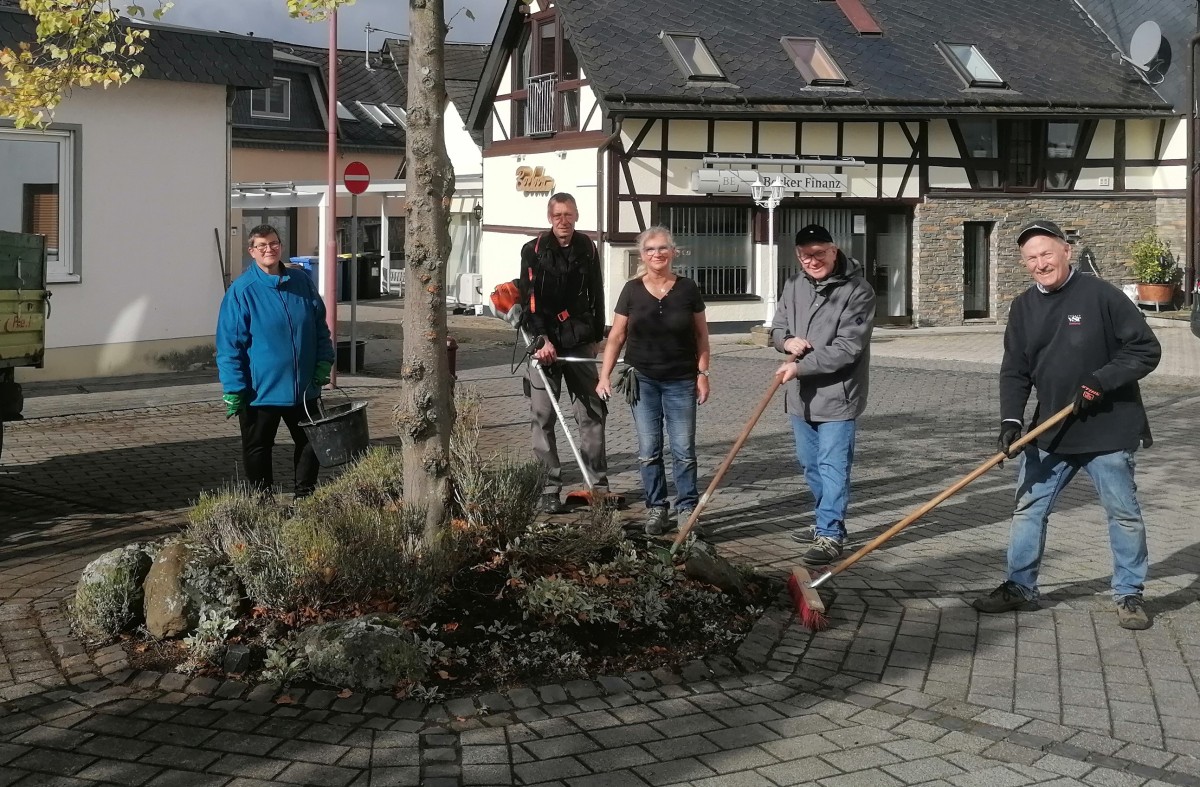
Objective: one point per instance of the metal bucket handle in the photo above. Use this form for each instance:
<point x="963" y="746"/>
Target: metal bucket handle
<point x="320" y="408"/>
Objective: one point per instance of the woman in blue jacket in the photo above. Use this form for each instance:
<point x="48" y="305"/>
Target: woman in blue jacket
<point x="273" y="354"/>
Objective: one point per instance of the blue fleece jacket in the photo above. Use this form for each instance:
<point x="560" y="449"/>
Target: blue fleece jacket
<point x="270" y="334"/>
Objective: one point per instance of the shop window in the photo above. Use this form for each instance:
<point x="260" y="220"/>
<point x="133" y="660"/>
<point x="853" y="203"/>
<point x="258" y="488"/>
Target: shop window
<point x="274" y="101"/>
<point x="813" y="61"/>
<point x="37" y="194"/>
<point x="691" y="54"/>
<point x="714" y="245"/>
<point x="971" y="65"/>
<point x="546" y="80"/>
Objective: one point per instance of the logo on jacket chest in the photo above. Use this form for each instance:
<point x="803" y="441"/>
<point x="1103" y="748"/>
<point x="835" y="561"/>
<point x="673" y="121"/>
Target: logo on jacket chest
<point x="1074" y="320"/>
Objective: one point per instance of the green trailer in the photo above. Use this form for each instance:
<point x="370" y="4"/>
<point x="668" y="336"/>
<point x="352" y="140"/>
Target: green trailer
<point x="24" y="307"/>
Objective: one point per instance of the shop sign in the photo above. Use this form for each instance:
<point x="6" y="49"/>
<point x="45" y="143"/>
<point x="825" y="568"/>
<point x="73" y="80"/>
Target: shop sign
<point x="534" y="180"/>
<point x="739" y="181"/>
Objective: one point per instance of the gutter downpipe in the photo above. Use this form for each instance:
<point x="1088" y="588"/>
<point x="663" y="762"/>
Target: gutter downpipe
<point x="1190" y="203"/>
<point x="601" y="224"/>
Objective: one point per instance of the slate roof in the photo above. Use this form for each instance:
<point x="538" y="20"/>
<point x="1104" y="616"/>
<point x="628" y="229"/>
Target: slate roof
<point x="306" y="126"/>
<point x="1053" y="58"/>
<point x="464" y="64"/>
<point x="1177" y="20"/>
<point x="177" y="54"/>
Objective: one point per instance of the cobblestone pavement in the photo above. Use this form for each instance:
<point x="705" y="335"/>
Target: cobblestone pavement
<point x="910" y="686"/>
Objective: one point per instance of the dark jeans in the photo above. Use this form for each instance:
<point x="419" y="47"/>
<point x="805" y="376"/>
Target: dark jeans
<point x="259" y="425"/>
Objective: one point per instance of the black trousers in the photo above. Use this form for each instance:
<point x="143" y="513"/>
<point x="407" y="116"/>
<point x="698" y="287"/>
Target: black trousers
<point x="259" y="426"/>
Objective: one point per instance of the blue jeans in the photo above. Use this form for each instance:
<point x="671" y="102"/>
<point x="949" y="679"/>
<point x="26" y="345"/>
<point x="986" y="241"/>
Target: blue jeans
<point x="672" y="402"/>
<point x="825" y="451"/>
<point x="1042" y="478"/>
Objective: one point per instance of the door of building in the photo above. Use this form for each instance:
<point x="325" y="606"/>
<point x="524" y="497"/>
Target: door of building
<point x="879" y="238"/>
<point x="284" y="222"/>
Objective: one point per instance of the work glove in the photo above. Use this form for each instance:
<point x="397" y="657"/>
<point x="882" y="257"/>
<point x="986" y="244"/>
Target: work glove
<point x="234" y="404"/>
<point x="1088" y="396"/>
<point x="321" y="374"/>
<point x="1010" y="432"/>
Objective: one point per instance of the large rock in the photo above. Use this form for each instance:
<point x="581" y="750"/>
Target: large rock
<point x="373" y="652"/>
<point x="705" y="565"/>
<point x="182" y="585"/>
<point x="108" y="598"/>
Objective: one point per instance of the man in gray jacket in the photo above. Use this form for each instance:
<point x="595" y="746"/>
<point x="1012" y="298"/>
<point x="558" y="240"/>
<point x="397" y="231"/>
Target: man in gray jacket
<point x="825" y="317"/>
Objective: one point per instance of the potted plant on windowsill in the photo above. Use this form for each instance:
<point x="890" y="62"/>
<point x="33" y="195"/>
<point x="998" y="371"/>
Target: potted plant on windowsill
<point x="1154" y="268"/>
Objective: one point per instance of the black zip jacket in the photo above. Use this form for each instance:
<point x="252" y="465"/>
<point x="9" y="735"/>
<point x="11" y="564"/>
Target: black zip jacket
<point x="562" y="290"/>
<point x="1054" y="340"/>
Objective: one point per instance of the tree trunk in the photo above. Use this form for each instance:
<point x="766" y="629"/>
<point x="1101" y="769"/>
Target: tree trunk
<point x="425" y="412"/>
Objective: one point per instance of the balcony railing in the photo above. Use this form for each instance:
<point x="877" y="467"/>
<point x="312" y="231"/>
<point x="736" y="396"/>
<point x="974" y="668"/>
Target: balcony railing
<point x="539" y="107"/>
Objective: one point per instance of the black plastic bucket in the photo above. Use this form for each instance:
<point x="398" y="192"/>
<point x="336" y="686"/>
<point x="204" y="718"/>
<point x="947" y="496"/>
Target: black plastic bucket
<point x="339" y="435"/>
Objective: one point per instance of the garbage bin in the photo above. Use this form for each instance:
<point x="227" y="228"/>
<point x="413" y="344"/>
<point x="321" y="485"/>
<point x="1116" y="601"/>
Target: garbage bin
<point x="369" y="264"/>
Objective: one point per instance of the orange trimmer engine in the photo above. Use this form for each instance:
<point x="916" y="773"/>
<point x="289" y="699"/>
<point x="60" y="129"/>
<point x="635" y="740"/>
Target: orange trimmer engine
<point x="504" y="297"/>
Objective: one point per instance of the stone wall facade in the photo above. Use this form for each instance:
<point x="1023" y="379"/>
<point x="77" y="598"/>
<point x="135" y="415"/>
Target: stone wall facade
<point x="1106" y="226"/>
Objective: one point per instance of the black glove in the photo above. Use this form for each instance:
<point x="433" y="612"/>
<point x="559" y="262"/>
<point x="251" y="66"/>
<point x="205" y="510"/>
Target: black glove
<point x="1010" y="431"/>
<point x="1088" y="396"/>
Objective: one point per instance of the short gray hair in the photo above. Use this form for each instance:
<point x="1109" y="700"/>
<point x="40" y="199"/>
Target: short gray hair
<point x="654" y="232"/>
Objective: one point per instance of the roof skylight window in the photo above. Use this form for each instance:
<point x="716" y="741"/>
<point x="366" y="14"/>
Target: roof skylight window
<point x="376" y="114"/>
<point x="398" y="114"/>
<point x="691" y="55"/>
<point x="971" y="65"/>
<point x="813" y="61"/>
<point x="344" y="113"/>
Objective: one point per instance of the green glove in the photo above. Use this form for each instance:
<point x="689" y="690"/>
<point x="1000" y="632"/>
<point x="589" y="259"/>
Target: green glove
<point x="321" y="375"/>
<point x="234" y="404"/>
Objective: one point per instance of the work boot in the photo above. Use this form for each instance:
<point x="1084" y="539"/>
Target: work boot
<point x="551" y="504"/>
<point x="1131" y="613"/>
<point x="682" y="516"/>
<point x="1006" y="598"/>
<point x="656" y="520"/>
<point x="824" y="551"/>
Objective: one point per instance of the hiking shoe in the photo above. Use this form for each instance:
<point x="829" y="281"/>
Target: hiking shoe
<point x="1131" y="613"/>
<point x="682" y="515"/>
<point x="656" y="520"/>
<point x="1005" y="598"/>
<point x="551" y="504"/>
<point x="824" y="551"/>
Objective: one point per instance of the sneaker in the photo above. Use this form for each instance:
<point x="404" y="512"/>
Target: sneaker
<point x="551" y="504"/>
<point x="1131" y="613"/>
<point x="682" y="515"/>
<point x="824" y="551"/>
<point x="656" y="521"/>
<point x="1006" y="598"/>
<point x="803" y="535"/>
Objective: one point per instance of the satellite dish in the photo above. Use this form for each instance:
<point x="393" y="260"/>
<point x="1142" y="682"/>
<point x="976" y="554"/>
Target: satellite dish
<point x="1147" y="40"/>
<point x="1149" y="53"/>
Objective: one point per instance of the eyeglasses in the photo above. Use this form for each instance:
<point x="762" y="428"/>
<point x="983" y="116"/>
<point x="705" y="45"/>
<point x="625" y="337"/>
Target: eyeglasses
<point x="276" y="246"/>
<point x="816" y="255"/>
<point x="657" y="250"/>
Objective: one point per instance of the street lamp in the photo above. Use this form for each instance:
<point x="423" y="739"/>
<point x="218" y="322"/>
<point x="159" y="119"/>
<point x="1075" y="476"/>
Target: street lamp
<point x="769" y="197"/>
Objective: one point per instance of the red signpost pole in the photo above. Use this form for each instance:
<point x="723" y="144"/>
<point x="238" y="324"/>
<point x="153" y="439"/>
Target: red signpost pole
<point x="329" y="258"/>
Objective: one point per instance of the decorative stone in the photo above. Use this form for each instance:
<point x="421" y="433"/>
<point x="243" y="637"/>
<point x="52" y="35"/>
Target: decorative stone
<point x="237" y="659"/>
<point x="373" y="652"/>
<point x="705" y="565"/>
<point x="183" y="584"/>
<point x="108" y="598"/>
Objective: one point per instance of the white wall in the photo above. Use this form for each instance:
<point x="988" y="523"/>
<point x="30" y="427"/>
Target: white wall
<point x="464" y="154"/>
<point x="153" y="189"/>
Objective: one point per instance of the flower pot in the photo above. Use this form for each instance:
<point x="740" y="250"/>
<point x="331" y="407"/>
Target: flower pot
<point x="1156" y="293"/>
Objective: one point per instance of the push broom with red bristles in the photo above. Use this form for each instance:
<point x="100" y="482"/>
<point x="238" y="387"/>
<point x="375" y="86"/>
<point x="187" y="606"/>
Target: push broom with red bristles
<point x="802" y="585"/>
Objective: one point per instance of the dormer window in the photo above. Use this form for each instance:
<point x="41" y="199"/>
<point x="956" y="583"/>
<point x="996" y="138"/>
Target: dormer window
<point x="691" y="55"/>
<point x="344" y="113"/>
<point x="971" y="65"/>
<point x="376" y="114"/>
<point x="274" y="101"/>
<point x="813" y="61"/>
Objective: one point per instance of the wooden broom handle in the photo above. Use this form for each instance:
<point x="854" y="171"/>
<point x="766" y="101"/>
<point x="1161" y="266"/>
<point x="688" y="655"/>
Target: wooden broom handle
<point x="1000" y="456"/>
<point x="776" y="381"/>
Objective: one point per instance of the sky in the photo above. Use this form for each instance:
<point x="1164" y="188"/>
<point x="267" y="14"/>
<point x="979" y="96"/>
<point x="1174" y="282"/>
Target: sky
<point x="269" y="19"/>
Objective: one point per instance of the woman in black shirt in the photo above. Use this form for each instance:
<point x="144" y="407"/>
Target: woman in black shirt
<point x="660" y="316"/>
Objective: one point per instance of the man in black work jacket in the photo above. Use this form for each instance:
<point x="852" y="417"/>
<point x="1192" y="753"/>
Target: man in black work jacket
<point x="1076" y="339"/>
<point x="563" y="306"/>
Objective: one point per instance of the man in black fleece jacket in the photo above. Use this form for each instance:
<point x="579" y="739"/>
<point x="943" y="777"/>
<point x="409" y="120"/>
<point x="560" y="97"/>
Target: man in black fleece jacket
<point x="1076" y="339"/>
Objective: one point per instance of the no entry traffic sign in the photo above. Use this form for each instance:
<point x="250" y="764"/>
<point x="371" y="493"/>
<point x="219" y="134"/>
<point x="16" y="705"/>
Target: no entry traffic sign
<point x="356" y="177"/>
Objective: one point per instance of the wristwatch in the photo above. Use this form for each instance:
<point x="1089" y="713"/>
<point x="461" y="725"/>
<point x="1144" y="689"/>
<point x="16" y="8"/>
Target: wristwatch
<point x="702" y="371"/>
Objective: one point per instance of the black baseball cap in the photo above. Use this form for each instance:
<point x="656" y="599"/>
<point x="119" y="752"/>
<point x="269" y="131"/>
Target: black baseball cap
<point x="1040" y="227"/>
<point x="813" y="233"/>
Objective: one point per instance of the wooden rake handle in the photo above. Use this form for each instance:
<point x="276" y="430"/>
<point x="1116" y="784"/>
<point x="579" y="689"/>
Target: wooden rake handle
<point x="776" y="381"/>
<point x="1000" y="456"/>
